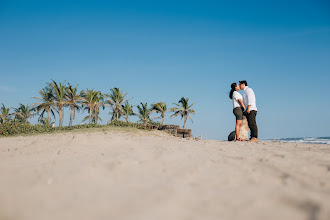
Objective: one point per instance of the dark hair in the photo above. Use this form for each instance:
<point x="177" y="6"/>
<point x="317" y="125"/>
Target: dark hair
<point x="243" y="82"/>
<point x="233" y="89"/>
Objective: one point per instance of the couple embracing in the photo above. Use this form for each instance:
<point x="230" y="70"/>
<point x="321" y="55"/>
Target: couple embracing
<point x="245" y="105"/>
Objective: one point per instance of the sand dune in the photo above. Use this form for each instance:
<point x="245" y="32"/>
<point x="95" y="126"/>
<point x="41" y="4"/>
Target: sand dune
<point x="150" y="175"/>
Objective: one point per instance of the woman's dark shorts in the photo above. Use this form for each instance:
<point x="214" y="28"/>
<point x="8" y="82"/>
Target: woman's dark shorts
<point x="238" y="112"/>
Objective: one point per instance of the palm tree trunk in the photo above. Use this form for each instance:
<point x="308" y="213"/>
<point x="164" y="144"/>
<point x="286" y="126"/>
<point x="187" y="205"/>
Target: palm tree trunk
<point x="90" y="115"/>
<point x="184" y="123"/>
<point x="48" y="115"/>
<point x="71" y="116"/>
<point x="96" y="114"/>
<point x="60" y="118"/>
<point x="162" y="120"/>
<point x="126" y="118"/>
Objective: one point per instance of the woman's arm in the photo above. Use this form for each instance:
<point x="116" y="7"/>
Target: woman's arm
<point x="242" y="104"/>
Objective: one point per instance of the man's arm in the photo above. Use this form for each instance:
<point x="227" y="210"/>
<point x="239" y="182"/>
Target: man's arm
<point x="251" y="99"/>
<point x="242" y="104"/>
<point x="248" y="109"/>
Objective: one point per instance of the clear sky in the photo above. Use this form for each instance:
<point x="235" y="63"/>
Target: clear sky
<point x="163" y="50"/>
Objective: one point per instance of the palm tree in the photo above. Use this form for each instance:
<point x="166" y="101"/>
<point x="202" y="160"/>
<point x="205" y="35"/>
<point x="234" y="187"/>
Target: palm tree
<point x="4" y="114"/>
<point x="88" y="102"/>
<point x="45" y="121"/>
<point x="127" y="110"/>
<point x="94" y="117"/>
<point x="98" y="102"/>
<point x="24" y="112"/>
<point x="115" y="99"/>
<point x="59" y="91"/>
<point x="144" y="113"/>
<point x="161" y="108"/>
<point x="46" y="103"/>
<point x="73" y="99"/>
<point x="183" y="109"/>
<point x="114" y="116"/>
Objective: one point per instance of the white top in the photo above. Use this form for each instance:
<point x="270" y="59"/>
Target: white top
<point x="236" y="97"/>
<point x="249" y="98"/>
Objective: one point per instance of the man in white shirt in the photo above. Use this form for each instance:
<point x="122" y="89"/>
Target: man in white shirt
<point x="249" y="100"/>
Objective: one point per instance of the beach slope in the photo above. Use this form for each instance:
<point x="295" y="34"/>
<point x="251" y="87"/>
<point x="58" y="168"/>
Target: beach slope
<point x="151" y="175"/>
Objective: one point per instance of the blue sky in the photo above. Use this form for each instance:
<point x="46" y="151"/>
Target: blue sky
<point x="163" y="50"/>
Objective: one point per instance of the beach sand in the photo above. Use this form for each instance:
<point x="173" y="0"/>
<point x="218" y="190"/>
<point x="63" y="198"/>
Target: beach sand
<point x="150" y="175"/>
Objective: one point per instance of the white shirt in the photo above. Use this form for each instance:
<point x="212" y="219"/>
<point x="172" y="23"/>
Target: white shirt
<point x="236" y="97"/>
<point x="249" y="98"/>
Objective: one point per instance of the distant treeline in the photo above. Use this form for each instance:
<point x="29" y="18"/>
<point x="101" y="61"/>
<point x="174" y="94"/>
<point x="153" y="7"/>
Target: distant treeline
<point x="56" y="96"/>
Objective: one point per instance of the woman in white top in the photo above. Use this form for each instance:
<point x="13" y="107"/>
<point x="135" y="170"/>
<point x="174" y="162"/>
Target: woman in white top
<point x="238" y="106"/>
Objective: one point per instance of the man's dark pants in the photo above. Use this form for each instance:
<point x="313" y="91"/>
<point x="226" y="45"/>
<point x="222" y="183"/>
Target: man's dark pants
<point x="251" y="119"/>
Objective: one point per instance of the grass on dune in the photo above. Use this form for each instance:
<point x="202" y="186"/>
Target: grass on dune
<point x="33" y="130"/>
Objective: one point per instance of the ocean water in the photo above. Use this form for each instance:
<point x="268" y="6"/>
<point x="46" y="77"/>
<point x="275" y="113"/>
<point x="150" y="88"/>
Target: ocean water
<point x="306" y="140"/>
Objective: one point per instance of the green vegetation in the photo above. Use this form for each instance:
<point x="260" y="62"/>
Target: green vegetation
<point x="14" y="128"/>
<point x="54" y="97"/>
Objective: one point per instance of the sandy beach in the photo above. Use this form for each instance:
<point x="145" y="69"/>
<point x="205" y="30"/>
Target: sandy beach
<point x="150" y="175"/>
